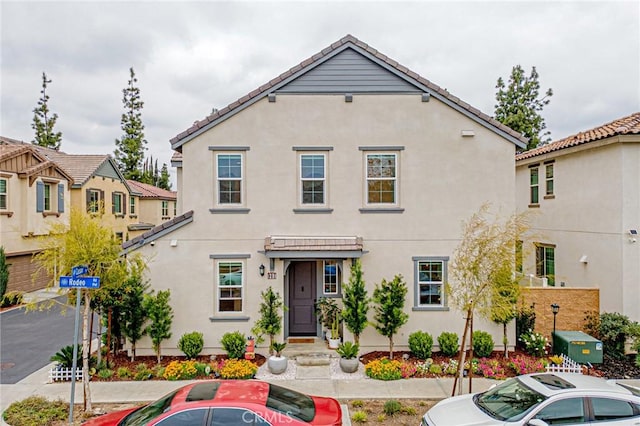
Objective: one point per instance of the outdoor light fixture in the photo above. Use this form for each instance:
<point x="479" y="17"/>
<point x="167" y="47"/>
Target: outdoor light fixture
<point x="554" y="308"/>
<point x="261" y="269"/>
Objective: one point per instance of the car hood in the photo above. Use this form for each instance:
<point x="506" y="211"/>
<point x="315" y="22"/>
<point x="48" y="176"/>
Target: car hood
<point x="110" y="419"/>
<point x="328" y="412"/>
<point x="458" y="411"/>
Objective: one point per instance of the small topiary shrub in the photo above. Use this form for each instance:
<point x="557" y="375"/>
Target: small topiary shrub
<point x="482" y="344"/>
<point x="234" y="343"/>
<point x="448" y="343"/>
<point x="392" y="407"/>
<point x="36" y="411"/>
<point x="420" y="343"/>
<point x="191" y="344"/>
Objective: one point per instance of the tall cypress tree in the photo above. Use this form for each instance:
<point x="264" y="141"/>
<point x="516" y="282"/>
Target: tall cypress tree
<point x="520" y="105"/>
<point x="44" y="121"/>
<point x="129" y="153"/>
<point x="163" y="179"/>
<point x="356" y="302"/>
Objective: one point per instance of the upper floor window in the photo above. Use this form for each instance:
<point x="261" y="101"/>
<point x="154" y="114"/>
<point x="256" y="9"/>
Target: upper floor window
<point x="381" y="178"/>
<point x="175" y="208"/>
<point x="429" y="281"/>
<point x="4" y="205"/>
<point x="230" y="286"/>
<point x="47" y="199"/>
<point x="331" y="273"/>
<point x="545" y="262"/>
<point x="94" y="200"/>
<point x="549" y="179"/>
<point x="229" y="178"/>
<point x="132" y="205"/>
<point x="117" y="203"/>
<point x="533" y="183"/>
<point x="165" y="208"/>
<point x="312" y="178"/>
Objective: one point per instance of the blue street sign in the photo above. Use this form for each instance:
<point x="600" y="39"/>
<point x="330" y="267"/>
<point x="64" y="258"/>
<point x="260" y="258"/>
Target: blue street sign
<point x="79" y="282"/>
<point x="79" y="270"/>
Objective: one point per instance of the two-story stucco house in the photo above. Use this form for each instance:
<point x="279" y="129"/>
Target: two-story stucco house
<point x="585" y="192"/>
<point x="150" y="205"/>
<point x="348" y="155"/>
<point x="34" y="195"/>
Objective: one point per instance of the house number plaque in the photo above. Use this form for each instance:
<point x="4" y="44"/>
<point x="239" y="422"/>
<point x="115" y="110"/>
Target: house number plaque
<point x="271" y="275"/>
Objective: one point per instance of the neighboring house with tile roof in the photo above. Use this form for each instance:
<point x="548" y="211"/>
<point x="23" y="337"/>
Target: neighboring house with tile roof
<point x="151" y="206"/>
<point x="34" y="195"/>
<point x="584" y="191"/>
<point x="348" y="155"/>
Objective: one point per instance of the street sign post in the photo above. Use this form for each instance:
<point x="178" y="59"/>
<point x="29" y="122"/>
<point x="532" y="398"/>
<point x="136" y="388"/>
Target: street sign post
<point x="77" y="282"/>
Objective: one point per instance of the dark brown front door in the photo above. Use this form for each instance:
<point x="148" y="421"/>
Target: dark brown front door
<point x="302" y="294"/>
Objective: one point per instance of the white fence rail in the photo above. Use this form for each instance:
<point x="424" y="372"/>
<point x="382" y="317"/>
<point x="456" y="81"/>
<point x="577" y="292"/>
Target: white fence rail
<point x="568" y="366"/>
<point x="57" y="374"/>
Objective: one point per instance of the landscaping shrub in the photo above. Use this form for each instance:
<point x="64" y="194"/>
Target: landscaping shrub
<point x="123" y="373"/>
<point x="384" y="369"/>
<point x="11" y="298"/>
<point x="525" y="322"/>
<point x="435" y="369"/>
<point x="180" y="370"/>
<point x="482" y="344"/>
<point x="358" y="403"/>
<point x="392" y="407"/>
<point x="143" y="372"/>
<point x="238" y="369"/>
<point x="615" y="328"/>
<point x="420" y="343"/>
<point x="534" y="343"/>
<point x="191" y="344"/>
<point x="234" y="343"/>
<point x="64" y="357"/>
<point x="491" y="369"/>
<point x="36" y="411"/>
<point x="359" y="417"/>
<point x="450" y="367"/>
<point x="524" y="365"/>
<point x="448" y="343"/>
<point x="105" y="373"/>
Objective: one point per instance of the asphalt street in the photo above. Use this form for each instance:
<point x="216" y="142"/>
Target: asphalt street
<point x="29" y="339"/>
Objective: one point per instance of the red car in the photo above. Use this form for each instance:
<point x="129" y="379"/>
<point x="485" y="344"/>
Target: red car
<point x="229" y="402"/>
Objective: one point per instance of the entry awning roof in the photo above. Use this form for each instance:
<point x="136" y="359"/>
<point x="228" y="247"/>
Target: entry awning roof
<point x="291" y="247"/>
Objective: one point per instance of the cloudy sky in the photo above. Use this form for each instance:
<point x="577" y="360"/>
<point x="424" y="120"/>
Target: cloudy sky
<point x="190" y="57"/>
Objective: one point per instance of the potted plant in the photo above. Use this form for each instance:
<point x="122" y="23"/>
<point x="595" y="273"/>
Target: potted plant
<point x="348" y="352"/>
<point x="334" y="339"/>
<point x="276" y="363"/>
<point x="326" y="309"/>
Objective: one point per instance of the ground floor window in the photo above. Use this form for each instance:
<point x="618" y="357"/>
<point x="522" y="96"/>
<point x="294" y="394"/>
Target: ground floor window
<point x="545" y="262"/>
<point x="430" y="276"/>
<point x="230" y="282"/>
<point x="331" y="273"/>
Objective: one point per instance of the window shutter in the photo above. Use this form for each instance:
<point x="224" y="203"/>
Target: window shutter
<point x="101" y="202"/>
<point x="39" y="197"/>
<point x="88" y="198"/>
<point x="60" y="198"/>
<point x="113" y="203"/>
<point x="124" y="203"/>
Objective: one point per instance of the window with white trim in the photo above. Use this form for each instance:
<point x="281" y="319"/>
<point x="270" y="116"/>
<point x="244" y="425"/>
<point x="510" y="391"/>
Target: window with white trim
<point x="533" y="184"/>
<point x="330" y="277"/>
<point x="549" y="179"/>
<point x="229" y="178"/>
<point x="430" y="276"/>
<point x="545" y="262"/>
<point x="47" y="197"/>
<point x="312" y="179"/>
<point x="381" y="175"/>
<point x="94" y="199"/>
<point x="117" y="199"/>
<point x="230" y="282"/>
<point x="165" y="209"/>
<point x="132" y="205"/>
<point x="4" y="204"/>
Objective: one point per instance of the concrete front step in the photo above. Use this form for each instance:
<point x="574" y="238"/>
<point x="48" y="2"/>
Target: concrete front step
<point x="313" y="359"/>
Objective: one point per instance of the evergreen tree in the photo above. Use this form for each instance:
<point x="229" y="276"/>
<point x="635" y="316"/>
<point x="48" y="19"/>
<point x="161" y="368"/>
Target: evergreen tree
<point x="134" y="314"/>
<point x="389" y="310"/>
<point x="163" y="179"/>
<point x="356" y="302"/>
<point x="270" y="321"/>
<point x="4" y="273"/>
<point x="44" y="121"/>
<point x="519" y="105"/>
<point x="129" y="152"/>
<point x="160" y="313"/>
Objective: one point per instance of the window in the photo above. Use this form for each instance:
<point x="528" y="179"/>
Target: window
<point x="239" y="416"/>
<point x="229" y="176"/>
<point x="165" y="209"/>
<point x="533" y="181"/>
<point x="175" y="208"/>
<point x="187" y="417"/>
<point x="330" y="277"/>
<point x="545" y="262"/>
<point x="94" y="200"/>
<point x="430" y="275"/>
<point x="117" y="199"/>
<point x="132" y="205"/>
<point x="47" y="197"/>
<point x="230" y="282"/>
<point x="549" y="179"/>
<point x="3" y="195"/>
<point x="312" y="177"/>
<point x="381" y="178"/>
<point x="119" y="237"/>
<point x="565" y="411"/>
<point x="612" y="409"/>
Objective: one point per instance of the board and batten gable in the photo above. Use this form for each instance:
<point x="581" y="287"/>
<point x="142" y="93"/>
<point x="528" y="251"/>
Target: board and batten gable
<point x="447" y="163"/>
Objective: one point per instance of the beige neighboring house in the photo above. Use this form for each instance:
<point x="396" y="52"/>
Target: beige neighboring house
<point x="151" y="206"/>
<point x="34" y="195"/>
<point x="348" y="155"/>
<point x="585" y="192"/>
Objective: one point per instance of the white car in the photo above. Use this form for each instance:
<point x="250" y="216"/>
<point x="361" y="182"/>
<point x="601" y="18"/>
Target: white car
<point x="542" y="399"/>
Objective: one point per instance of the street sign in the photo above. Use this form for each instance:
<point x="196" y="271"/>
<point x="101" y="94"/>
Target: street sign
<point x="79" y="282"/>
<point x="79" y="270"/>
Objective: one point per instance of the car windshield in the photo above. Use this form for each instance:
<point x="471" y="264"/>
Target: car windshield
<point x="149" y="412"/>
<point x="508" y="401"/>
<point x="291" y="403"/>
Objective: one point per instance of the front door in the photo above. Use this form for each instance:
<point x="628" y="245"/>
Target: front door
<point x="302" y="294"/>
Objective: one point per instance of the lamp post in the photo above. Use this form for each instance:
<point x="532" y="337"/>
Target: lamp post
<point x="554" y="309"/>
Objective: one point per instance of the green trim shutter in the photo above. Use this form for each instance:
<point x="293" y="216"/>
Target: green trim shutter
<point x="39" y="197"/>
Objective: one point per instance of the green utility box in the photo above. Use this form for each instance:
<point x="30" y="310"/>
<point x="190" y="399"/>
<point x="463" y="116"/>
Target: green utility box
<point x="578" y="346"/>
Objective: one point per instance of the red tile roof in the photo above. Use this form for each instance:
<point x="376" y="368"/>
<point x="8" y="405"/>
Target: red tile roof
<point x="629" y="125"/>
<point x="150" y="191"/>
<point x="308" y="63"/>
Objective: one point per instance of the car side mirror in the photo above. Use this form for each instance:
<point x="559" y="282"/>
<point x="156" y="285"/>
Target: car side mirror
<point x="537" y="422"/>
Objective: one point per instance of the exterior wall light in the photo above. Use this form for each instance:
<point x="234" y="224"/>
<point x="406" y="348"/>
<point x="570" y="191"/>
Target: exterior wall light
<point x="261" y="269"/>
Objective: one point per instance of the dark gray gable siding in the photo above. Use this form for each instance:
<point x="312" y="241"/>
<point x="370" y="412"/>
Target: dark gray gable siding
<point x="106" y="169"/>
<point x="349" y="72"/>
